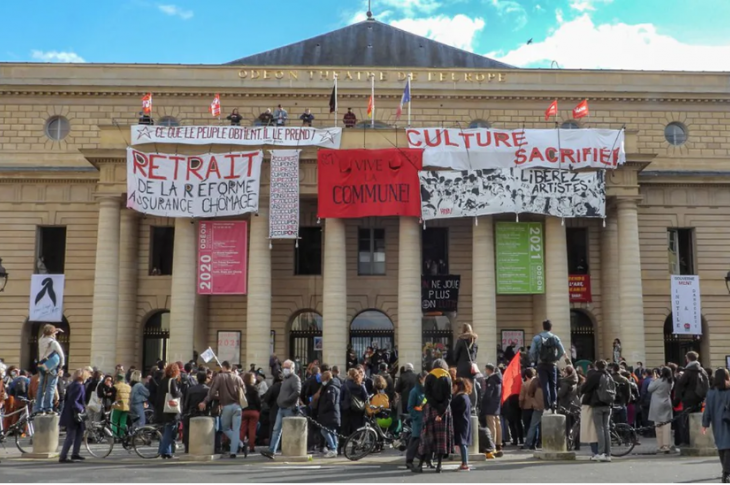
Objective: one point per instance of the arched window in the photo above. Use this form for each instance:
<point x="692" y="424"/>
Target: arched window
<point x="480" y="124"/>
<point x="437" y="339"/>
<point x="305" y="337"/>
<point x="168" y="121"/>
<point x="570" y="125"/>
<point x="35" y="333"/>
<point x="582" y="336"/>
<point x="156" y="337"/>
<point x="371" y="328"/>
<point x="676" y="346"/>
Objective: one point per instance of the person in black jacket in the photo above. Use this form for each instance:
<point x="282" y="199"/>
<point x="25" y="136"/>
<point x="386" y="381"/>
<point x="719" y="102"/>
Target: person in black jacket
<point x="601" y="410"/>
<point x="390" y="387"/>
<point x="250" y="416"/>
<point x="195" y="395"/>
<point x="169" y="385"/>
<point x="465" y="352"/>
<point x="328" y="412"/>
<point x="437" y="435"/>
<point x="234" y="118"/>
<point x="351" y="358"/>
<point x="310" y="390"/>
<point x="490" y="411"/>
<point x="690" y="390"/>
<point x="353" y="392"/>
<point x="623" y="394"/>
<point x="406" y="382"/>
<point x="270" y="397"/>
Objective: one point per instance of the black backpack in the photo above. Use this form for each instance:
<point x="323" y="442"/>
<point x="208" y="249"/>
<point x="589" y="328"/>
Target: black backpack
<point x="549" y="348"/>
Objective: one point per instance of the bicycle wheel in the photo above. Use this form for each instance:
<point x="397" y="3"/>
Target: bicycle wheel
<point x="571" y="439"/>
<point x="24" y="437"/>
<point x="623" y="439"/>
<point x="146" y="442"/>
<point x="99" y="441"/>
<point x="360" y="444"/>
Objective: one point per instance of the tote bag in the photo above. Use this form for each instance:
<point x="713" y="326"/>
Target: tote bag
<point x="172" y="404"/>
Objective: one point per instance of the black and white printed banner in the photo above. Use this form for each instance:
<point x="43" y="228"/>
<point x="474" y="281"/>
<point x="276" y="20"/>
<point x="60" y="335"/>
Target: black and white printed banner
<point x="470" y="193"/>
<point x="284" y="201"/>
<point x="46" y="298"/>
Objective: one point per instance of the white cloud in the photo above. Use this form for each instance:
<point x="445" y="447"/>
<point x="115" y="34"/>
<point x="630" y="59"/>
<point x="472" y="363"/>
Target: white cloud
<point x="580" y="44"/>
<point x="175" y="11"/>
<point x="56" y="56"/>
<point x="512" y="10"/>
<point x="538" y="8"/>
<point x="410" y="7"/>
<point x="559" y="15"/>
<point x="360" y="16"/>
<point x="458" y="31"/>
<point x="586" y="5"/>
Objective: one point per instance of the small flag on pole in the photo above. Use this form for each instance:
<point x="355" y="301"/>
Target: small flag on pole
<point x="147" y="103"/>
<point x="552" y="110"/>
<point x="215" y="106"/>
<point x="333" y="98"/>
<point x="405" y="98"/>
<point x="581" y="110"/>
<point x="371" y="106"/>
<point x="208" y="355"/>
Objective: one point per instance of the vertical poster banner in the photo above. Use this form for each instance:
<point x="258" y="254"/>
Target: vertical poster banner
<point x="222" y="257"/>
<point x="579" y="288"/>
<point x="229" y="347"/>
<point x="686" y="306"/>
<point x="46" y="298"/>
<point x="284" y="195"/>
<point x="520" y="258"/>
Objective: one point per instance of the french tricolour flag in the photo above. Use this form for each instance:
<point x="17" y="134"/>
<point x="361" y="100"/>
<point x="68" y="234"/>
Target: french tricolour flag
<point x="406" y="98"/>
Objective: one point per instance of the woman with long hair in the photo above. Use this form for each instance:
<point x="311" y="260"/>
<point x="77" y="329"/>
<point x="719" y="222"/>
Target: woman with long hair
<point x="169" y="385"/>
<point x="461" y="412"/>
<point x="140" y="395"/>
<point x="250" y="416"/>
<point x="660" y="410"/>
<point x="437" y="435"/>
<point x="716" y="406"/>
<point x="352" y="397"/>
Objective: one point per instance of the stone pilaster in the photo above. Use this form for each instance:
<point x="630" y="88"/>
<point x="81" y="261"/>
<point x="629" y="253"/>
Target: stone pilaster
<point x="127" y="330"/>
<point x="630" y="288"/>
<point x="484" y="290"/>
<point x="610" y="304"/>
<point x="258" y="308"/>
<point x="557" y="298"/>
<point x="106" y="286"/>
<point x="334" y="294"/>
<point x="182" y="300"/>
<point x="410" y="314"/>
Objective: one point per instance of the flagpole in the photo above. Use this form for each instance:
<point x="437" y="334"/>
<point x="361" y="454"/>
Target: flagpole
<point x="336" y="100"/>
<point x="410" y="98"/>
<point x="372" y="96"/>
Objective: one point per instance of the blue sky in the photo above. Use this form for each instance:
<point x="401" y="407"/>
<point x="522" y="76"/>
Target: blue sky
<point x="614" y="34"/>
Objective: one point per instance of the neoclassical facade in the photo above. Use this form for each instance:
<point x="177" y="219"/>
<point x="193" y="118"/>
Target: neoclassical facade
<point x="130" y="293"/>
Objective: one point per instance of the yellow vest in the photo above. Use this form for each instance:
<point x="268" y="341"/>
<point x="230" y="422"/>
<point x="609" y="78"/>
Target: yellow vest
<point x="122" y="399"/>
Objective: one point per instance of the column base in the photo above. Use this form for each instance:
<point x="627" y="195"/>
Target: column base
<point x="698" y="451"/>
<point x="202" y="457"/>
<point x="40" y="456"/>
<point x="554" y="455"/>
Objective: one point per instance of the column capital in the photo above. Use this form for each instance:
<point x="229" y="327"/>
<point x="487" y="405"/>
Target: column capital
<point x="627" y="202"/>
<point x="107" y="199"/>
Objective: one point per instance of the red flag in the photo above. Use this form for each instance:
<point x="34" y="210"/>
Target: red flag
<point x="552" y="110"/>
<point x="215" y="106"/>
<point x="512" y="378"/>
<point x="147" y="103"/>
<point x="371" y="106"/>
<point x="581" y="110"/>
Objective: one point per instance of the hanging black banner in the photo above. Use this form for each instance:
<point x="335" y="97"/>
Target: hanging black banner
<point x="440" y="293"/>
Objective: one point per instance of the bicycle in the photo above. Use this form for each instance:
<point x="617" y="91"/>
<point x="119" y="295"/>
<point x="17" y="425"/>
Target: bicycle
<point x="623" y="436"/>
<point x="99" y="439"/>
<point x="371" y="438"/>
<point x="22" y="430"/>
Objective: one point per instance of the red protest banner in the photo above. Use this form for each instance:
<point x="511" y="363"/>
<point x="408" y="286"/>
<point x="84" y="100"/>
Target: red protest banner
<point x="579" y="288"/>
<point x="363" y="183"/>
<point x="222" y="257"/>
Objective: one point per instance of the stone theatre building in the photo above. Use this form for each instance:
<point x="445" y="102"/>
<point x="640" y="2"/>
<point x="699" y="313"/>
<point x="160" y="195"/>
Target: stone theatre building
<point x="130" y="278"/>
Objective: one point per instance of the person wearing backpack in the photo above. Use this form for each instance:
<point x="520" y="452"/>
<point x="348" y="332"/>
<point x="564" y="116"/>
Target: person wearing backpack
<point x="690" y="390"/>
<point x="599" y="391"/>
<point x="623" y="394"/>
<point x="547" y="350"/>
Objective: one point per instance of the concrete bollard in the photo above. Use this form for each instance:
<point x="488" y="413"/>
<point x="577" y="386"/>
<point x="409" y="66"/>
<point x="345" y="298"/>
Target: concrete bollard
<point x="45" y="437"/>
<point x="201" y="443"/>
<point x="294" y="439"/>
<point x="554" y="442"/>
<point x="699" y="444"/>
<point x="474" y="454"/>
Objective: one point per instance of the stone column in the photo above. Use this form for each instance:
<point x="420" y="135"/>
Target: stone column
<point x="182" y="299"/>
<point x="334" y="294"/>
<point x="258" y="307"/>
<point x="557" y="299"/>
<point x="106" y="286"/>
<point x="610" y="305"/>
<point x="127" y="302"/>
<point x="410" y="314"/>
<point x="484" y="290"/>
<point x="630" y="287"/>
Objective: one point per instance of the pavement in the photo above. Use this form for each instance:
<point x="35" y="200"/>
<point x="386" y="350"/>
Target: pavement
<point x="515" y="466"/>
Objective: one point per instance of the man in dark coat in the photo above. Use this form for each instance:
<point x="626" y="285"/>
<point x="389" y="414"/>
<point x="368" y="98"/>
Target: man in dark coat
<point x="406" y="383"/>
<point x="691" y="390"/>
<point x="75" y="404"/>
<point x="390" y="388"/>
<point x="310" y="390"/>
<point x="328" y="412"/>
<point x="492" y="404"/>
<point x="194" y="396"/>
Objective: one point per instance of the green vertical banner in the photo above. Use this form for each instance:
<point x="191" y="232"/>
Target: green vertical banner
<point x="520" y="258"/>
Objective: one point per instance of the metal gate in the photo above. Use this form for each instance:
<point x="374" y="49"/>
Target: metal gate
<point x="305" y="337"/>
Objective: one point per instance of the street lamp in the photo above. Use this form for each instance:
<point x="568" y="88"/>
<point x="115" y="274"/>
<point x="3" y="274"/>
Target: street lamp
<point x="727" y="281"/>
<point x="4" y="276"/>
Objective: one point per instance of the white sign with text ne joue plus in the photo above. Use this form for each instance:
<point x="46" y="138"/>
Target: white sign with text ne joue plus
<point x="46" y="298"/>
<point x="686" y="306"/>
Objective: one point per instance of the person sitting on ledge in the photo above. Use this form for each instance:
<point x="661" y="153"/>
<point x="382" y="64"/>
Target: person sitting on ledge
<point x="235" y="118"/>
<point x="307" y="118"/>
<point x="144" y="119"/>
<point x="266" y="118"/>
<point x="350" y="120"/>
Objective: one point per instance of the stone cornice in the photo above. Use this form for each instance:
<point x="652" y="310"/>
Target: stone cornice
<point x="54" y="181"/>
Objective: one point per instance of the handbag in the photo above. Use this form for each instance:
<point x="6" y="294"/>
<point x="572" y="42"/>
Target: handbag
<point x="172" y="404"/>
<point x="474" y="367"/>
<point x="242" y="401"/>
<point x="95" y="402"/>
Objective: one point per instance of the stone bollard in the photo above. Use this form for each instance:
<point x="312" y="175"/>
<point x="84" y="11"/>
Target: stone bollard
<point x="45" y="437"/>
<point x="554" y="442"/>
<point x="201" y="445"/>
<point x="294" y="439"/>
<point x="699" y="444"/>
<point x="474" y="454"/>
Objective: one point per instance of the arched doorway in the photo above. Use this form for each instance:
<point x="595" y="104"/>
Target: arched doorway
<point x="156" y="337"/>
<point x="437" y="339"/>
<point x="35" y="329"/>
<point x="371" y="328"/>
<point x="582" y="336"/>
<point x="305" y="337"/>
<point x="676" y="346"/>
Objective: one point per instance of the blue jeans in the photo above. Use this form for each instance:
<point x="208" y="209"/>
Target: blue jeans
<point x="231" y="425"/>
<point x="533" y="434"/>
<point x="330" y="439"/>
<point x="138" y="417"/>
<point x="46" y="391"/>
<point x="168" y="436"/>
<point x="276" y="436"/>
<point x="548" y="374"/>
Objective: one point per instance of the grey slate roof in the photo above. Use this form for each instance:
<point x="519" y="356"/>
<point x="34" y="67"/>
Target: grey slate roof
<point x="371" y="44"/>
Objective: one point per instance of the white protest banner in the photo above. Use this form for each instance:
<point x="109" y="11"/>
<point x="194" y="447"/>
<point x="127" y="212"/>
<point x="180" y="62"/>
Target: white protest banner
<point x="229" y="347"/>
<point x="686" y="307"/>
<point x="481" y="148"/>
<point x="211" y="185"/>
<point x="46" y="298"/>
<point x="295" y="136"/>
<point x="470" y="193"/>
<point x="284" y="198"/>
<point x="208" y="355"/>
